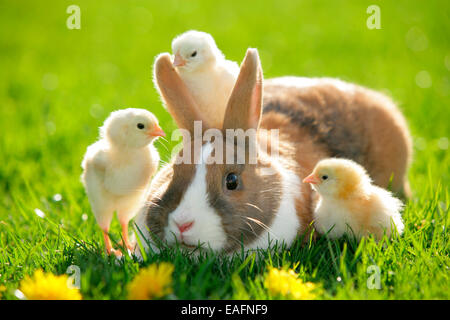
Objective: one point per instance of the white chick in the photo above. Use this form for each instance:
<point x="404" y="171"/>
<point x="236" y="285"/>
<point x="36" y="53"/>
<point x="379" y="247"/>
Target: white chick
<point x="349" y="203"/>
<point x="117" y="169"/>
<point x="208" y="76"/>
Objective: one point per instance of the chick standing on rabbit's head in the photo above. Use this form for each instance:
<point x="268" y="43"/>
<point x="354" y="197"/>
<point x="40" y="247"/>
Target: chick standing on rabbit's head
<point x="208" y="76"/>
<point x="195" y="50"/>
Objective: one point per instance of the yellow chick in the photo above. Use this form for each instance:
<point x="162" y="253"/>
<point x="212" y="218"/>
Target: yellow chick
<point x="117" y="169"/>
<point x="349" y="203"/>
<point x="206" y="73"/>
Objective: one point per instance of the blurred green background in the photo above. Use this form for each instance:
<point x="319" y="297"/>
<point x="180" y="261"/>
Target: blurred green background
<point x="58" y="85"/>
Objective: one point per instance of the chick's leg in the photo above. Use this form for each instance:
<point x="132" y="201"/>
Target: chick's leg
<point x="104" y="222"/>
<point x="126" y="240"/>
<point x="104" y="211"/>
<point x="125" y="213"/>
<point x="108" y="245"/>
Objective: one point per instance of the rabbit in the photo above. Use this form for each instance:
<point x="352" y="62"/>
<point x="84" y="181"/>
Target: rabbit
<point x="224" y="207"/>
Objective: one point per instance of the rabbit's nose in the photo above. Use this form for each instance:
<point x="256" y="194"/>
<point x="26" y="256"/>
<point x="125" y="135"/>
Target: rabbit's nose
<point x="185" y="226"/>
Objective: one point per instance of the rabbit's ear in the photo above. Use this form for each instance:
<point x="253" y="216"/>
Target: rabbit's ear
<point x="245" y="102"/>
<point x="176" y="95"/>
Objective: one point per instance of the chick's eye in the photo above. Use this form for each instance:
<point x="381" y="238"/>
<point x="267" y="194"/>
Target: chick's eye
<point x="231" y="181"/>
<point x="140" y="126"/>
<point x="194" y="54"/>
<point x="324" y="177"/>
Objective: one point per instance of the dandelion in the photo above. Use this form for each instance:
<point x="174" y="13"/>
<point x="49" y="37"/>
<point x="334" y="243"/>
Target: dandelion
<point x="2" y="289"/>
<point x="287" y="284"/>
<point x="152" y="283"/>
<point x="48" y="286"/>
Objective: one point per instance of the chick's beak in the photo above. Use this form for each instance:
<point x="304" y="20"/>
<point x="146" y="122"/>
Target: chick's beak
<point x="178" y="61"/>
<point x="156" y="132"/>
<point x="311" y="179"/>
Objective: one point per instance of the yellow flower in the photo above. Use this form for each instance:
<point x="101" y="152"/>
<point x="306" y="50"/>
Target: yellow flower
<point x="48" y="286"/>
<point x="152" y="282"/>
<point x="287" y="284"/>
<point x="303" y="290"/>
<point x="2" y="288"/>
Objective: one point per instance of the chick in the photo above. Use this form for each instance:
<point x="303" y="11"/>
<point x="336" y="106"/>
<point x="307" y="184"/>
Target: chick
<point x="207" y="74"/>
<point x="117" y="168"/>
<point x="348" y="202"/>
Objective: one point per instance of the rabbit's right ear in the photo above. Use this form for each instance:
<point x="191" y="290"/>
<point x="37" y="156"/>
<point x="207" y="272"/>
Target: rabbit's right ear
<point x="176" y="96"/>
<point x="245" y="103"/>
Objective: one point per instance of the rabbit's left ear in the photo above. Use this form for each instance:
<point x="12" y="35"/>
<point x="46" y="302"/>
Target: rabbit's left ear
<point x="176" y="96"/>
<point x="245" y="103"/>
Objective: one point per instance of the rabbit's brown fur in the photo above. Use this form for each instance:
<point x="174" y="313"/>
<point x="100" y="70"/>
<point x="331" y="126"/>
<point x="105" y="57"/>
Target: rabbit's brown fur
<point x="361" y="125"/>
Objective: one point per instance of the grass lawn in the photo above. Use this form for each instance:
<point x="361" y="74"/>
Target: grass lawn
<point x="58" y="85"/>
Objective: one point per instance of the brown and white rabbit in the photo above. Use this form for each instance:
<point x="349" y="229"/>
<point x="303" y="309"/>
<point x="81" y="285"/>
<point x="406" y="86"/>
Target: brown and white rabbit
<point x="222" y="206"/>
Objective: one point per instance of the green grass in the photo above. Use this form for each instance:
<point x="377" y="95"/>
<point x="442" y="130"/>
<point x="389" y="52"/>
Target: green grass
<point x="58" y="85"/>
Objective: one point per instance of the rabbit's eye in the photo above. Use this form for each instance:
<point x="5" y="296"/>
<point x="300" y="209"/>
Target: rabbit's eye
<point x="194" y="54"/>
<point x="324" y="177"/>
<point x="231" y="181"/>
<point x="140" y="126"/>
